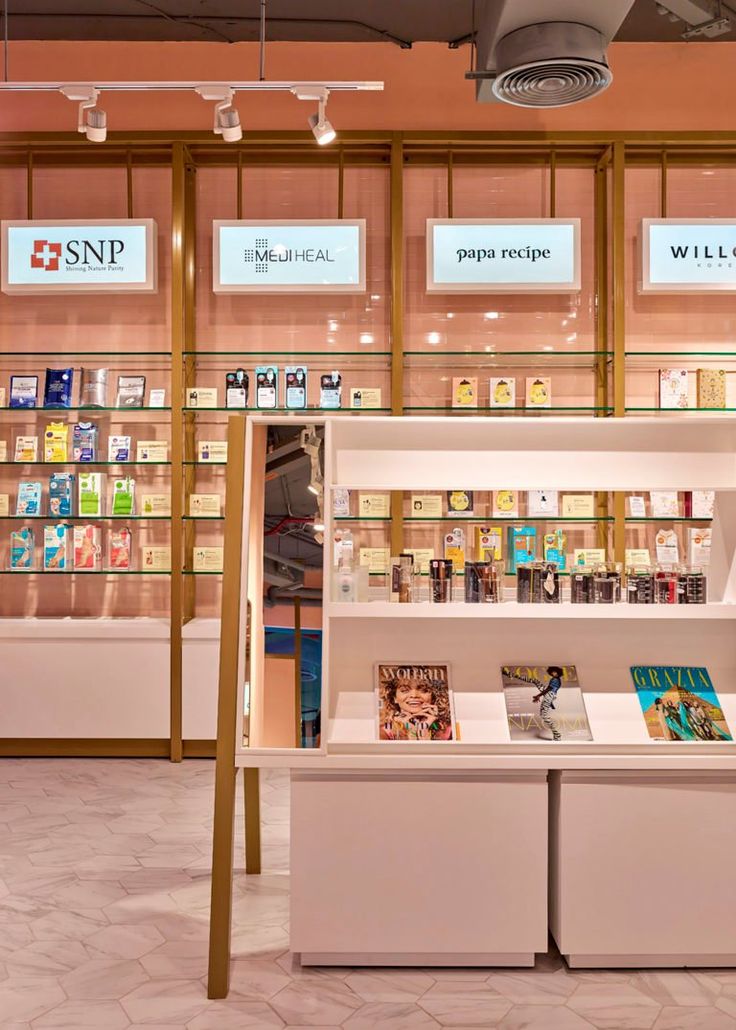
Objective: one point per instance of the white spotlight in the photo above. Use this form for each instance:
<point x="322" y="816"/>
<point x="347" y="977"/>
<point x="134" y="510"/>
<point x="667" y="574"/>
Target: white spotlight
<point x="92" y="120"/>
<point x="318" y="123"/>
<point x="227" y="120"/>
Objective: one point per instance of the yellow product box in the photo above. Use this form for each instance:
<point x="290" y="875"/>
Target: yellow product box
<point x="157" y="559"/>
<point x="505" y="504"/>
<point x="156" y="504"/>
<point x="26" y="448"/>
<point x="589" y="556"/>
<point x="488" y="543"/>
<point x="3" y="450"/>
<point x="208" y="559"/>
<point x="201" y="397"/>
<point x="204" y="504"/>
<point x="4" y="504"/>
<point x="578" y="506"/>
<point x="464" y="392"/>
<point x="454" y="548"/>
<point x="376" y="506"/>
<point x="376" y="558"/>
<point x="365" y="397"/>
<point x="56" y="442"/>
<point x="214" y="451"/>
<point x="152" y="450"/>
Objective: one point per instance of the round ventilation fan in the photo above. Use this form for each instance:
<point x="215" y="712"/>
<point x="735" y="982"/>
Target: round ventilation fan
<point x="550" y="65"/>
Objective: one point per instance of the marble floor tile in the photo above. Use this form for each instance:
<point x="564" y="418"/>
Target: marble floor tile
<point x="463" y="1003"/>
<point x="614" y="1006"/>
<point x="383" y="1016"/>
<point x="76" y="1015"/>
<point x="104" y="922"/>
<point x="543" y="1017"/>
<point x="311" y="1002"/>
<point x="696" y="1018"/>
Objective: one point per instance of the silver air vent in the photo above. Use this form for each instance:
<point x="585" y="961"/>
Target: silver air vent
<point x="550" y="65"/>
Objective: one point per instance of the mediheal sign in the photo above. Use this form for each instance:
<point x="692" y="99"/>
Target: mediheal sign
<point x="81" y="257"/>
<point x="289" y="257"/>
<point x="503" y="255"/>
<point x="688" y="255"/>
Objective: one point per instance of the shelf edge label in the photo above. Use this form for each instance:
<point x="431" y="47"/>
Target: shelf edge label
<point x="503" y="255"/>
<point x="688" y="255"/>
<point x="110" y="255"/>
<point x="300" y="256"/>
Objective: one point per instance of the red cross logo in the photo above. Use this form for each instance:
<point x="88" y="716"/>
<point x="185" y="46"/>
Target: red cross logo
<point x="46" y="255"/>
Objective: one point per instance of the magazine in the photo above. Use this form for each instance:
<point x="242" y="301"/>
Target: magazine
<point x="544" y="702"/>
<point x="679" y="702"/>
<point x="413" y="702"/>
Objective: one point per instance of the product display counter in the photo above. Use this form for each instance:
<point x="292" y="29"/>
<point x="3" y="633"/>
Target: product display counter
<point x="465" y="820"/>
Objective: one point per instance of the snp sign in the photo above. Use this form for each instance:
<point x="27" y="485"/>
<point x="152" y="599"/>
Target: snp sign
<point x="503" y="255"/>
<point x="688" y="255"/>
<point x="83" y="257"/>
<point x="289" y="257"/>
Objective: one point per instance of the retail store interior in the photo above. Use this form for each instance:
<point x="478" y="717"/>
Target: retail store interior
<point x="368" y="514"/>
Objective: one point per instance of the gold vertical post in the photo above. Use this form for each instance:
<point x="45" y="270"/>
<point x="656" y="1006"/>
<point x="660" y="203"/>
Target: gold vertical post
<point x="618" y="215"/>
<point x="252" y="802"/>
<point x="297" y="672"/>
<point x="189" y="586"/>
<point x="227" y="718"/>
<point x="129" y="180"/>
<point x="601" y="321"/>
<point x="178" y="333"/>
<point x="397" y="319"/>
<point x="239" y="207"/>
<point x="341" y="182"/>
<point x="450" y="184"/>
<point x="552" y="183"/>
<point x="663" y="185"/>
<point x="29" y="185"/>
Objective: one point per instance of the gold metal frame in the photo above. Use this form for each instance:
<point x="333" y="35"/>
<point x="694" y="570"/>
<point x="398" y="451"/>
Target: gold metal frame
<point x="607" y="154"/>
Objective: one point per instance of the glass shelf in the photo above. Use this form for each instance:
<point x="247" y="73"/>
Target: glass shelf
<point x="217" y="464"/>
<point x="477" y="518"/>
<point x="509" y="358"/>
<point x="88" y="464"/>
<point x="669" y="518"/>
<point x="483" y="409"/>
<point x="292" y="411"/>
<point x="682" y="411"/>
<point x="126" y="355"/>
<point x="709" y="354"/>
<point x="203" y="518"/>
<point x="85" y="572"/>
<point x="61" y="519"/>
<point x="271" y="354"/>
<point x="40" y="410"/>
<point x="191" y="572"/>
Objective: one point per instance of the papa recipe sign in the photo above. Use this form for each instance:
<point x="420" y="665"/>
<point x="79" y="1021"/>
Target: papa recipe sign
<point x="688" y="255"/>
<point x="100" y="256"/>
<point x="306" y="256"/>
<point x="503" y="255"/>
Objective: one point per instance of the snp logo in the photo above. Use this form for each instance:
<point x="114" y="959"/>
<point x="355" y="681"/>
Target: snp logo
<point x="46" y="255"/>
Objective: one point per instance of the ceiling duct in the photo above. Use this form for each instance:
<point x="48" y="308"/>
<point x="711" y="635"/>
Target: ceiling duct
<point x="526" y="59"/>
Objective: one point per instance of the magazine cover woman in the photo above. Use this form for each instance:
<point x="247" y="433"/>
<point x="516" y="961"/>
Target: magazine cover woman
<point x="414" y="704"/>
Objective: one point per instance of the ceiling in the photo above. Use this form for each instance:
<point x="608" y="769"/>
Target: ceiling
<point x="401" y="22"/>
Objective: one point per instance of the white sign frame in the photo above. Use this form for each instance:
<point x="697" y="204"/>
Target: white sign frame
<point x="573" y="286"/>
<point x="148" y="285"/>
<point x="645" y="283"/>
<point x="359" y="287"/>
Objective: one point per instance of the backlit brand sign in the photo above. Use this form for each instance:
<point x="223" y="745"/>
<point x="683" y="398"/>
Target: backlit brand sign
<point x="289" y="257"/>
<point x="688" y="255"/>
<point x="503" y="255"/>
<point x="83" y="257"/>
